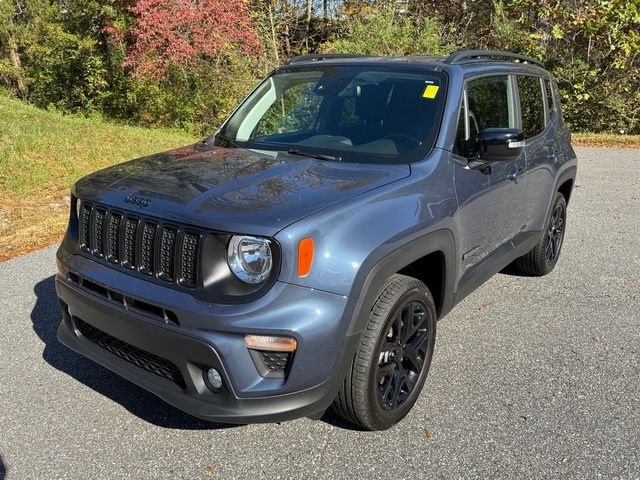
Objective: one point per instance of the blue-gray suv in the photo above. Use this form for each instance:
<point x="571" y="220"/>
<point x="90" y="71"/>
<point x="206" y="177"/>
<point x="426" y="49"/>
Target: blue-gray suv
<point x="300" y="257"/>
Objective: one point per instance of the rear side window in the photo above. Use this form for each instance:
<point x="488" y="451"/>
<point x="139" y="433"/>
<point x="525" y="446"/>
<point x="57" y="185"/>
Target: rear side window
<point x="551" y="106"/>
<point x="531" y="105"/>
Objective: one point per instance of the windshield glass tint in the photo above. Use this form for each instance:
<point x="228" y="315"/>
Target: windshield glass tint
<point x="360" y="114"/>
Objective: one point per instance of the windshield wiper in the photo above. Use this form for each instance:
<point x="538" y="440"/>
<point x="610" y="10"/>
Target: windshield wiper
<point x="319" y="156"/>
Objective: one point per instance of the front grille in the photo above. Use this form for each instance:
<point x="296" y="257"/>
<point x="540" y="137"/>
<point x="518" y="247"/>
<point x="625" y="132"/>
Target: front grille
<point x="148" y="243"/>
<point x="86" y="228"/>
<point x="98" y="244"/>
<point x="129" y="258"/>
<point x="168" y="252"/>
<point x="134" y="355"/>
<point x="189" y="255"/>
<point x="113" y="243"/>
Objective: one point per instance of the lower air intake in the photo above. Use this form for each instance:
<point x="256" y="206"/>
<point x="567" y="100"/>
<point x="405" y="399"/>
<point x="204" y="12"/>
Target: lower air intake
<point x="134" y="355"/>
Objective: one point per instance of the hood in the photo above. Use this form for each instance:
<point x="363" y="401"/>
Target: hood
<point x="232" y="190"/>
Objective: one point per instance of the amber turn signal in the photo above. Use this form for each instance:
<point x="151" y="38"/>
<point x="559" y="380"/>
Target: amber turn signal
<point x="305" y="256"/>
<point x="270" y="342"/>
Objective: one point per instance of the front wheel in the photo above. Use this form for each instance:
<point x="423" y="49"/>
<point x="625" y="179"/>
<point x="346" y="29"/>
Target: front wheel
<point x="544" y="256"/>
<point x="393" y="358"/>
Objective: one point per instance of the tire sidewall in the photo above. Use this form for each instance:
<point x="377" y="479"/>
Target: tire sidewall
<point x="382" y="418"/>
<point x="559" y="199"/>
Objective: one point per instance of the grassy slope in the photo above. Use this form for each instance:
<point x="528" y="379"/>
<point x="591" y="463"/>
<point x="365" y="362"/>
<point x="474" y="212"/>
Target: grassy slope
<point x="43" y="153"/>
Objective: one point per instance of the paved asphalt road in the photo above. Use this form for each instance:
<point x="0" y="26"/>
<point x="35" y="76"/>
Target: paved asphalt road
<point x="532" y="377"/>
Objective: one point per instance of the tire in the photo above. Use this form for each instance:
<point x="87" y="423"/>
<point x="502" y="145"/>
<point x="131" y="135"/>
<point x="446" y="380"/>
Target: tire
<point x="542" y="258"/>
<point x="393" y="357"/>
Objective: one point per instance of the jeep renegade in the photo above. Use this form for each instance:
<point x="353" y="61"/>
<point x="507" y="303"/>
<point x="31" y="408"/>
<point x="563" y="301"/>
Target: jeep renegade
<point x="300" y="257"/>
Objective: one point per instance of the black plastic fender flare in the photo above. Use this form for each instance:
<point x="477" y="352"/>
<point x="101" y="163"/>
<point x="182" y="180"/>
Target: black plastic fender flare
<point x="567" y="174"/>
<point x="437" y="241"/>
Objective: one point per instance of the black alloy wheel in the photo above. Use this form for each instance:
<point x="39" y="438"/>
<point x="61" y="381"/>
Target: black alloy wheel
<point x="555" y="233"/>
<point x="402" y="354"/>
<point x="393" y="357"/>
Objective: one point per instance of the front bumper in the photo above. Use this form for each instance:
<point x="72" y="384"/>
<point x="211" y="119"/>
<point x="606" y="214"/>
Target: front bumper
<point x="212" y="336"/>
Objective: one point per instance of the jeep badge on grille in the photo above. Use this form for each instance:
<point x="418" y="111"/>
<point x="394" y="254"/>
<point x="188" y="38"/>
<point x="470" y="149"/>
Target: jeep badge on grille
<point x="139" y="201"/>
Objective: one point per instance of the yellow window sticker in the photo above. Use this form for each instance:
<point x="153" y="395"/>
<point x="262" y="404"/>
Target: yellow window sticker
<point x="430" y="91"/>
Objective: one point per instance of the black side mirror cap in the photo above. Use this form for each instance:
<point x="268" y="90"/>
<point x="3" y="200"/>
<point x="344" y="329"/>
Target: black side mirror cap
<point x="499" y="144"/>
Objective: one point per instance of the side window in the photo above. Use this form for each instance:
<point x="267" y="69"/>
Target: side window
<point x="531" y="105"/>
<point x="489" y="105"/>
<point x="295" y="111"/>
<point x="550" y="104"/>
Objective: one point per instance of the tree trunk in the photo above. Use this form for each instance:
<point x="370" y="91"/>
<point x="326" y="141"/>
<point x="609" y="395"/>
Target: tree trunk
<point x="273" y="34"/>
<point x="21" y="89"/>
<point x="308" y="28"/>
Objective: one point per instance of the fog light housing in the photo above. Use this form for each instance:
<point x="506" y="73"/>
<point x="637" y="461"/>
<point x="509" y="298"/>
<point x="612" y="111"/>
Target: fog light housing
<point x="271" y="354"/>
<point x="213" y="379"/>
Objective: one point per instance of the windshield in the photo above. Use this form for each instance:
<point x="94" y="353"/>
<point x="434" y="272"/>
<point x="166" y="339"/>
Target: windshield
<point x="365" y="114"/>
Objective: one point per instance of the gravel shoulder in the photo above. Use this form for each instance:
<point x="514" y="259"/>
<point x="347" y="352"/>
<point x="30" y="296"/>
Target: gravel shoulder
<point x="532" y="377"/>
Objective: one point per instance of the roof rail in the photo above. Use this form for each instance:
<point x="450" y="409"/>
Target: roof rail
<point x="470" y="55"/>
<point x="323" y="56"/>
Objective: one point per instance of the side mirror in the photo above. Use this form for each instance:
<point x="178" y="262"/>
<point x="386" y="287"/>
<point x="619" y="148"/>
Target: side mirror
<point x="499" y="144"/>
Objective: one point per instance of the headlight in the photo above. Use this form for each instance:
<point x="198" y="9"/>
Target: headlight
<point x="249" y="258"/>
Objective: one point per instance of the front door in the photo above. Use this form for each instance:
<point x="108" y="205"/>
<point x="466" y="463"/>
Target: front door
<point x="491" y="104"/>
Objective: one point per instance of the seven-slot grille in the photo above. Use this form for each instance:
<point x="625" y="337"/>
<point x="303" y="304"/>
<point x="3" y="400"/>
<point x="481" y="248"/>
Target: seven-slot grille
<point x="169" y="252"/>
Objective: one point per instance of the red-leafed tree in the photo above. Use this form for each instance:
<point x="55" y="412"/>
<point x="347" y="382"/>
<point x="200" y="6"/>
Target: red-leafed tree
<point x="182" y="32"/>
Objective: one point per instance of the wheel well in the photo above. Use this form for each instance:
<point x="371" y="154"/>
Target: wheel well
<point x="430" y="270"/>
<point x="565" y="189"/>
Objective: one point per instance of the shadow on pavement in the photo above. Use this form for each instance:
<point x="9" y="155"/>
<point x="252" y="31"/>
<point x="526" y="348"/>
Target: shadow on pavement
<point x="46" y="317"/>
<point x="332" y="418"/>
<point x="3" y="469"/>
<point x="513" y="271"/>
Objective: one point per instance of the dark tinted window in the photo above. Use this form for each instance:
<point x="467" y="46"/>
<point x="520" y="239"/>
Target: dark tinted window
<point x="531" y="105"/>
<point x="349" y="113"/>
<point x="459" y="145"/>
<point x="295" y="111"/>
<point x="549" y="92"/>
<point x="359" y="113"/>
<point x="489" y="106"/>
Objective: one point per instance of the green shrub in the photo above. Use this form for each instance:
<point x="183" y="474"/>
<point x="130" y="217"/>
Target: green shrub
<point x="385" y="31"/>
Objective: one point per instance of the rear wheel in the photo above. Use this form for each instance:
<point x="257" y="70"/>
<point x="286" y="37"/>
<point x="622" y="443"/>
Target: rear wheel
<point x="544" y="256"/>
<point x="393" y="358"/>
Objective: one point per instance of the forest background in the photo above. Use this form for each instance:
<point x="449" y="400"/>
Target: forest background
<point x="186" y="63"/>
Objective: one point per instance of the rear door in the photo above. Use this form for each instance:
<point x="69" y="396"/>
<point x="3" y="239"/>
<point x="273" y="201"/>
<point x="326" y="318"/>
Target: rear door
<point x="538" y="117"/>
